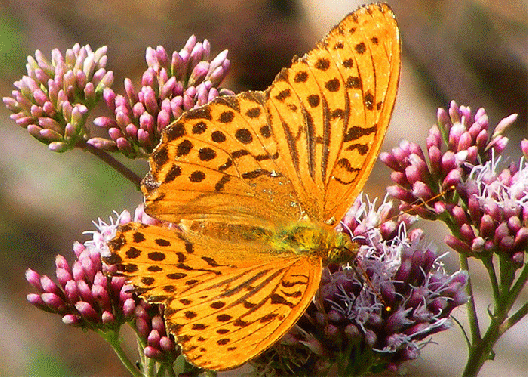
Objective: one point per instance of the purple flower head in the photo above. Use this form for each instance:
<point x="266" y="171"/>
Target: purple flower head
<point x="377" y="312"/>
<point x="52" y="102"/>
<point x="85" y="293"/>
<point x="89" y="294"/>
<point x="149" y="324"/>
<point x="524" y="148"/>
<point x="171" y="85"/>
<point x="497" y="216"/>
<point x="427" y="182"/>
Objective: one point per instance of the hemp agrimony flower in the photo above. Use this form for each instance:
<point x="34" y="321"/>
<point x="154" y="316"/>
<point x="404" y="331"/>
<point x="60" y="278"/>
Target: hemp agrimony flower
<point x="53" y="101"/>
<point x="169" y="86"/>
<point x="376" y="315"/>
<point x="484" y="207"/>
<point x="88" y="294"/>
<point x="458" y="142"/>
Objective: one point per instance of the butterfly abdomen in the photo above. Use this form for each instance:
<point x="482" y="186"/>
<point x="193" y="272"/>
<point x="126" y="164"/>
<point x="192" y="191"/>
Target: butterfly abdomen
<point x="235" y="232"/>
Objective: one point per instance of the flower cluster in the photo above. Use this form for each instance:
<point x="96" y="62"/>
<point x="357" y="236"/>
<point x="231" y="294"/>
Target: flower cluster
<point x="84" y="296"/>
<point x="89" y="295"/>
<point x="376" y="314"/>
<point x="492" y="216"/>
<point x="150" y="325"/>
<point x="170" y="85"/>
<point x="52" y="102"/>
<point x="457" y="143"/>
<point x="486" y="210"/>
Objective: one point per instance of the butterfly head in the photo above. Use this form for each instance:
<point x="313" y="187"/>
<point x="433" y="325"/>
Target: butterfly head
<point x="343" y="250"/>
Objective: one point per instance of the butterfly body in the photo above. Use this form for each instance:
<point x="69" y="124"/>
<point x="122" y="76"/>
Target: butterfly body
<point x="255" y="184"/>
<point x="311" y="239"/>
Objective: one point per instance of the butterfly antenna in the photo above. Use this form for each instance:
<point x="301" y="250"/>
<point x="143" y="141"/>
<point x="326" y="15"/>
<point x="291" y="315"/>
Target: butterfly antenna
<point x="418" y="203"/>
<point x="424" y="203"/>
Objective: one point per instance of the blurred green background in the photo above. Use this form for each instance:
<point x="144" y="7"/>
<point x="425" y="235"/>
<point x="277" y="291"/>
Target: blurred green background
<point x="475" y="52"/>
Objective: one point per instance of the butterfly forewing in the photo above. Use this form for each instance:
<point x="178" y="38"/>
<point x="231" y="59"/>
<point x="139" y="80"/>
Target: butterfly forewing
<point x="222" y="153"/>
<point x="249" y="180"/>
<point x="370" y="68"/>
<point x="330" y="110"/>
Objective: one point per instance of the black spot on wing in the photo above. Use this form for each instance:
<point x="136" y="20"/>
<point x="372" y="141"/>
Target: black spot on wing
<point x="355" y="132"/>
<point x="162" y="242"/>
<point x="345" y="163"/>
<point x="361" y="148"/>
<point x="133" y="253"/>
<point x="199" y="113"/>
<point x="219" y="186"/>
<point x="184" y="148"/>
<point x="175" y="132"/>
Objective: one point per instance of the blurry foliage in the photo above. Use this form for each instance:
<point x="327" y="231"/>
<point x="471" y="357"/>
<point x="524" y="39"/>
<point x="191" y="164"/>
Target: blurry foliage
<point x="12" y="51"/>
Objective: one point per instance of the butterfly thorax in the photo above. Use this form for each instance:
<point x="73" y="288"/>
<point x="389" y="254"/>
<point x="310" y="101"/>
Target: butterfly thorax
<point x="308" y="238"/>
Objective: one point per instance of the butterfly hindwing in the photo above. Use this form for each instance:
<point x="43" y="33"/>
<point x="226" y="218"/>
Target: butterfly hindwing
<point x="243" y="305"/>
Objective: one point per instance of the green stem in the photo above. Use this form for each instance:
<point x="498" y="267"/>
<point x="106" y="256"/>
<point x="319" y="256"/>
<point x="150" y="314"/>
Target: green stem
<point x="521" y="281"/>
<point x="170" y="370"/>
<point x="471" y="306"/>
<point x="464" y="332"/>
<point x="148" y="365"/>
<point x="110" y="160"/>
<point x="482" y="350"/>
<point x="161" y="370"/>
<point x="112" y="337"/>
<point x="507" y="275"/>
<point x="512" y="296"/>
<point x="516" y="317"/>
<point x="488" y="263"/>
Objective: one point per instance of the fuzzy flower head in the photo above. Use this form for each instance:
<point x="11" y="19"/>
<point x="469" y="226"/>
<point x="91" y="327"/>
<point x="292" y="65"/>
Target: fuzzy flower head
<point x="90" y="295"/>
<point x="171" y="85"/>
<point x="86" y="295"/>
<point x="497" y="217"/>
<point x="425" y="182"/>
<point x="376" y="313"/>
<point x="52" y="102"/>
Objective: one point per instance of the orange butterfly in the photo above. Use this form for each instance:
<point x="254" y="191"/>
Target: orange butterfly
<point x="256" y="183"/>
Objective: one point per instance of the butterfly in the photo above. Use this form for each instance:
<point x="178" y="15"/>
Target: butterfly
<point x="255" y="184"/>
